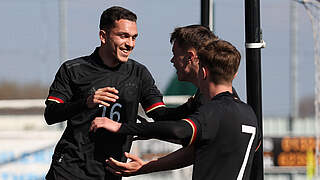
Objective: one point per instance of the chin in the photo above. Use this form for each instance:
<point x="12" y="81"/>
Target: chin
<point x="123" y="60"/>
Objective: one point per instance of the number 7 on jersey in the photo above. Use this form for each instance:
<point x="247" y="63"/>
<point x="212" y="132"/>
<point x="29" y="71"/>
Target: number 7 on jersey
<point x="252" y="131"/>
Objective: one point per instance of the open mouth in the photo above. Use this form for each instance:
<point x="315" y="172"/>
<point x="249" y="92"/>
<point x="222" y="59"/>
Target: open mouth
<point x="125" y="52"/>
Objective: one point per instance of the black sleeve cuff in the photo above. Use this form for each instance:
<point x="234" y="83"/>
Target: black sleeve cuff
<point x="58" y="112"/>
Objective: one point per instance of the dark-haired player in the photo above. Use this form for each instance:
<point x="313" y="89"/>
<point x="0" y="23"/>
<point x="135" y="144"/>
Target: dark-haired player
<point x="104" y="84"/>
<point x="186" y="41"/>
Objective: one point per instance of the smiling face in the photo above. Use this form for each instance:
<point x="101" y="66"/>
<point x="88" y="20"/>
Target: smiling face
<point x="118" y="43"/>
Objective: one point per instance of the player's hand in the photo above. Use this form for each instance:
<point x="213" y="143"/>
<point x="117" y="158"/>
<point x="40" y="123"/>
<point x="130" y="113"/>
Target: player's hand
<point x="106" y="123"/>
<point x="125" y="169"/>
<point x="102" y="96"/>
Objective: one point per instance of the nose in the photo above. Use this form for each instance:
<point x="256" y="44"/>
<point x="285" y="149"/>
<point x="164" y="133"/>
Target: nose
<point x="130" y="42"/>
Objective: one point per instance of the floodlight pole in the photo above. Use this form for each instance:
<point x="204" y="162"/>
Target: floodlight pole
<point x="293" y="66"/>
<point x="254" y="43"/>
<point x="62" y="37"/>
<point x="62" y="30"/>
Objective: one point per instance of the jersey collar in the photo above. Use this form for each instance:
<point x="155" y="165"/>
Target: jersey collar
<point x="222" y="94"/>
<point x="98" y="61"/>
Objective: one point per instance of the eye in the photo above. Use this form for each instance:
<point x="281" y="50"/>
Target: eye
<point x="123" y="36"/>
<point x="134" y="37"/>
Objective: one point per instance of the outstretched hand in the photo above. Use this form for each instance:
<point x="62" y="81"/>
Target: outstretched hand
<point x="106" y="123"/>
<point x="125" y="169"/>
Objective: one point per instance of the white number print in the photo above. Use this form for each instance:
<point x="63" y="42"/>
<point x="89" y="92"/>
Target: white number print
<point x="103" y="111"/>
<point x="112" y="112"/>
<point x="250" y="130"/>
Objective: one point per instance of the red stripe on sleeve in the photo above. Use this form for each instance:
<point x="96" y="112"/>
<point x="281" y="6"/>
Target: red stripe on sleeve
<point x="194" y="128"/>
<point x="55" y="99"/>
<point x="154" y="106"/>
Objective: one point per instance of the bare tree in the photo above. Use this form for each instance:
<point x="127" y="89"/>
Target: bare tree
<point x="12" y="90"/>
<point x="306" y="107"/>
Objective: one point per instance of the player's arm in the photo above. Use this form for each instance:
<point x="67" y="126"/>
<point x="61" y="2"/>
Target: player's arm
<point x="57" y="110"/>
<point x="182" y="111"/>
<point x="165" y="113"/>
<point x="153" y="105"/>
<point x="60" y="104"/>
<point x="175" y="160"/>
<point x="184" y="130"/>
<point x="151" y="98"/>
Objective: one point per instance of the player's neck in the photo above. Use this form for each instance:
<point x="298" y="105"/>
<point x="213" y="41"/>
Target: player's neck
<point x="215" y="89"/>
<point x="107" y="58"/>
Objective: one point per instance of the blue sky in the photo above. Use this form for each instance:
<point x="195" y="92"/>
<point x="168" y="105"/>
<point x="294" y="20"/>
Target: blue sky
<point x="29" y="40"/>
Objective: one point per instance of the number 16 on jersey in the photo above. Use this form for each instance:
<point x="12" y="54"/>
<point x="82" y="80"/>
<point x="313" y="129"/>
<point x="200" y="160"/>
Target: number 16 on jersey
<point x="114" y="111"/>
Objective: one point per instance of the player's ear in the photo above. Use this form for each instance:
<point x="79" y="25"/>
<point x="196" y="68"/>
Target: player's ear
<point x="235" y="75"/>
<point x="192" y="56"/>
<point x="103" y="36"/>
<point x="204" y="73"/>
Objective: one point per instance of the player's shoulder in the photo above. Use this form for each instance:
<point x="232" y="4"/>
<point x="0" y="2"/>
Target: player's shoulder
<point x="76" y="62"/>
<point x="213" y="104"/>
<point x="137" y="68"/>
<point x="225" y="103"/>
<point x="216" y="103"/>
<point x="245" y="112"/>
<point x="134" y="63"/>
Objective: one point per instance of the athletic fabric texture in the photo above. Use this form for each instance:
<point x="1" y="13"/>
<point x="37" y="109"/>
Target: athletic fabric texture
<point x="226" y="137"/>
<point x="81" y="154"/>
<point x="224" y="132"/>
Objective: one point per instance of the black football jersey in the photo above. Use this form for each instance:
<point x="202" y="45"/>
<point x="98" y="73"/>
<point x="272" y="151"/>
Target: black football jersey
<point x="225" y="135"/>
<point x="198" y="100"/>
<point x="81" y="154"/>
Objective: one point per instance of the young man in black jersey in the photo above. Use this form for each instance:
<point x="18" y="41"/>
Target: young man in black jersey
<point x="104" y="84"/>
<point x="186" y="42"/>
<point x="223" y="132"/>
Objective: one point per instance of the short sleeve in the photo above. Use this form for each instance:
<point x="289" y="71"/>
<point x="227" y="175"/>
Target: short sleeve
<point x="60" y="90"/>
<point x="151" y="98"/>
